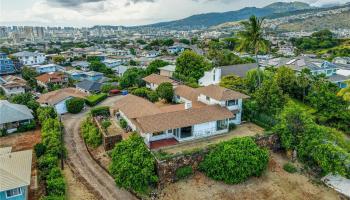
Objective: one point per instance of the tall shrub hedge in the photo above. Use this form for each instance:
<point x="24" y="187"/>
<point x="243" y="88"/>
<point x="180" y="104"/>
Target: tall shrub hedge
<point x="235" y="161"/>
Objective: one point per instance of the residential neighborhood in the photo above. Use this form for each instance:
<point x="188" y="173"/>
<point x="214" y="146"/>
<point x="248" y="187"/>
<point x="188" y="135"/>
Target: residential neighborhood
<point x="219" y="105"/>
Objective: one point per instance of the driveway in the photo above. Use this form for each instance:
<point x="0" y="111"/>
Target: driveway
<point x="79" y="158"/>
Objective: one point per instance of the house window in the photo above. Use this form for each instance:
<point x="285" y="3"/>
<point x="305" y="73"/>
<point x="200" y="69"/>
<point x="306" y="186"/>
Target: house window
<point x="232" y="102"/>
<point x="13" y="193"/>
<point x="170" y="131"/>
<point x="221" y="125"/>
<point x="208" y="98"/>
<point x="158" y="133"/>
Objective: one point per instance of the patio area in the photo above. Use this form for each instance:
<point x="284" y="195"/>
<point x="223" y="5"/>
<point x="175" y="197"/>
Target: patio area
<point x="246" y="129"/>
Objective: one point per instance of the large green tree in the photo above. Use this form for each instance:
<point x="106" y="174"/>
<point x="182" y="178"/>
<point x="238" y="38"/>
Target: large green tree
<point x="154" y="66"/>
<point x="191" y="66"/>
<point x="165" y="91"/>
<point x="269" y="97"/>
<point x="133" y="166"/>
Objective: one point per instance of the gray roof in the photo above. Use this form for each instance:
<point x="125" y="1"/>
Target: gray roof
<point x="338" y="78"/>
<point x="10" y="112"/>
<point x="15" y="168"/>
<point x="238" y="70"/>
<point x="89" y="85"/>
<point x="26" y="53"/>
<point x="170" y="68"/>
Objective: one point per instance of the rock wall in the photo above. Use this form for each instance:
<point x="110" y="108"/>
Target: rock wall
<point x="166" y="169"/>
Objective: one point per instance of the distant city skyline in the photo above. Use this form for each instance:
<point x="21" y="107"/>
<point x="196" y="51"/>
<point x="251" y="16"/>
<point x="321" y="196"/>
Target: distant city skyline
<point x="86" y="13"/>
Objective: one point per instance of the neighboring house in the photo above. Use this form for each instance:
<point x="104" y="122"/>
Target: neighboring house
<point x="89" y="86"/>
<point x="116" y="52"/>
<point x="215" y="75"/>
<point x="121" y="69"/>
<point x="151" y="54"/>
<point x="52" y="78"/>
<point x="12" y="85"/>
<point x="14" y="115"/>
<point x="175" y="49"/>
<point x="167" y="70"/>
<point x="30" y="58"/>
<point x="81" y="75"/>
<point x="201" y="112"/>
<point x="15" y="174"/>
<point x="6" y="65"/>
<point x="59" y="97"/>
<point x="341" y="60"/>
<point x="83" y="65"/>
<point x="112" y="63"/>
<point x="154" y="80"/>
<point x="47" y="68"/>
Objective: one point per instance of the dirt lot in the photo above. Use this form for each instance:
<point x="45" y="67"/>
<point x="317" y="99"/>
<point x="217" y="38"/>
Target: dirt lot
<point x="21" y="141"/>
<point x="274" y="184"/>
<point x="101" y="156"/>
<point x="75" y="189"/>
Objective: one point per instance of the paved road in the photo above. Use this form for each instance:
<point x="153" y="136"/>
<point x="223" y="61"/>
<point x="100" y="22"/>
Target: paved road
<point x="79" y="157"/>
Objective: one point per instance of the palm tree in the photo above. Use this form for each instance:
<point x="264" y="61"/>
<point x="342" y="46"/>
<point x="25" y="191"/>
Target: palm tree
<point x="252" y="38"/>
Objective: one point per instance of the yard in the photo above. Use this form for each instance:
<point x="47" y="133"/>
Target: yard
<point x="275" y="183"/>
<point x="246" y="129"/>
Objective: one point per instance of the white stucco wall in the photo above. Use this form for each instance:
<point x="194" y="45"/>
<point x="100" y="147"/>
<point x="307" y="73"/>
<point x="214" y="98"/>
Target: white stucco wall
<point x="61" y="107"/>
<point x="210" y="77"/>
<point x="13" y="91"/>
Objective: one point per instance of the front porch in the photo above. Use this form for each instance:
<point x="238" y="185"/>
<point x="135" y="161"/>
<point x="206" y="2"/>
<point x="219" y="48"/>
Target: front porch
<point x="163" y="143"/>
<point x="243" y="130"/>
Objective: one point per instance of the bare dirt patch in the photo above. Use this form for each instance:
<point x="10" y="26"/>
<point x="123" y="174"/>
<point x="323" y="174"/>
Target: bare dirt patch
<point x="275" y="183"/>
<point x="21" y="141"/>
<point x="101" y="156"/>
<point x="75" y="189"/>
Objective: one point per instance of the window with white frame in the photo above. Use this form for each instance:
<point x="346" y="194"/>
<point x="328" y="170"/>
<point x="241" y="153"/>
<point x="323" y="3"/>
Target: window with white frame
<point x="13" y="193"/>
<point x="232" y="102"/>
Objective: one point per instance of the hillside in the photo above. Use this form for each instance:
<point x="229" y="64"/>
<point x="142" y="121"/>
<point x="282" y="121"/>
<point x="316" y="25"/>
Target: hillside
<point x="213" y="19"/>
<point x="316" y="23"/>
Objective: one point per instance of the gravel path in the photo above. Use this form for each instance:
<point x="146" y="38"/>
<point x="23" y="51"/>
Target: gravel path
<point x="79" y="158"/>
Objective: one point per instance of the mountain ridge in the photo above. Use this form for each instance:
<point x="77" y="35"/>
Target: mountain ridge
<point x="205" y="20"/>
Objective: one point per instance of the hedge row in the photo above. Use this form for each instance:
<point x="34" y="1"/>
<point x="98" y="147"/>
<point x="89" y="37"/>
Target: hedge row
<point x="48" y="152"/>
<point x="93" y="100"/>
<point x="101" y="110"/>
<point x="91" y="134"/>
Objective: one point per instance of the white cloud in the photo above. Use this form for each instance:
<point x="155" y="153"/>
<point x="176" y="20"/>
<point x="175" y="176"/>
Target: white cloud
<point x="121" y="12"/>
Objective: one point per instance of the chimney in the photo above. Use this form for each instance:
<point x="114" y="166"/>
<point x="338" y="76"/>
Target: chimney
<point x="188" y="105"/>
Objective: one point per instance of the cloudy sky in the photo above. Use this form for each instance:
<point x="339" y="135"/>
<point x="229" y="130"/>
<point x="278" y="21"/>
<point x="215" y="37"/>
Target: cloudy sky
<point x="117" y="12"/>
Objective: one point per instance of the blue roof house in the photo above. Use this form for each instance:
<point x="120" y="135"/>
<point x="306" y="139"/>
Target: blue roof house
<point x="6" y="65"/>
<point x="15" y="174"/>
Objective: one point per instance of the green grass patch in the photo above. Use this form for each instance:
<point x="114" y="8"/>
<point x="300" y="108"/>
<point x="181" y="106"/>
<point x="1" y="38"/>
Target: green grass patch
<point x="94" y="99"/>
<point x="289" y="167"/>
<point x="184" y="172"/>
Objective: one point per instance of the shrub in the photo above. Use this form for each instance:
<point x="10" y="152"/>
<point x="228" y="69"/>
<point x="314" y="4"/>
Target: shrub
<point x="105" y="124"/>
<point x="235" y="161"/>
<point x="101" y="110"/>
<point x="75" y="105"/>
<point x="289" y="167"/>
<point x="152" y="96"/>
<point x="39" y="149"/>
<point x="133" y="166"/>
<point x="141" y="92"/>
<point x="27" y="127"/>
<point x="56" y="186"/>
<point x="91" y="134"/>
<point x="3" y="132"/>
<point x="53" y="197"/>
<point x="184" y="172"/>
<point x="165" y="91"/>
<point x="45" y="113"/>
<point x="93" y="100"/>
<point x="123" y="123"/>
<point x="107" y="87"/>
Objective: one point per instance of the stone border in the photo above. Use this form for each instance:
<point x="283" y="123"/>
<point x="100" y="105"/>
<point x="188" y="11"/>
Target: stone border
<point x="166" y="169"/>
